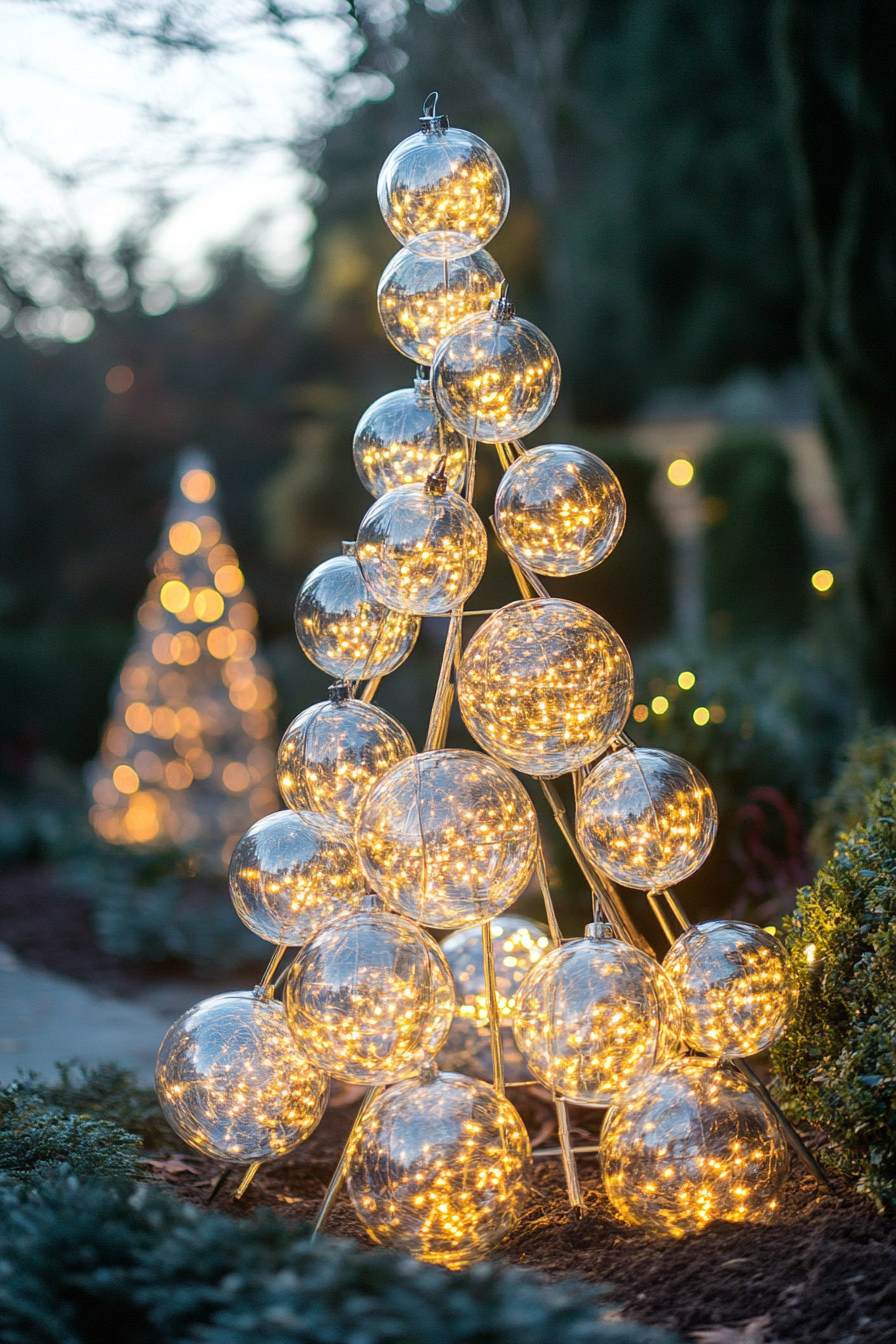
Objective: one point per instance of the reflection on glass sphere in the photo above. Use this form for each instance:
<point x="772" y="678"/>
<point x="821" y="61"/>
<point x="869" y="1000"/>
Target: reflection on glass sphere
<point x="421" y="552"/>
<point x="231" y="1081"/>
<point x="448" y="838"/>
<point x="367" y="997"/>
<point x="344" y="630"/>
<point x="291" y="871"/>
<point x="332" y="753"/>
<point x="440" y="1169"/>
<point x="595" y="1015"/>
<point x="646" y="817"/>
<point x="400" y="439"/>
<point x="443" y="193"/>
<point x="689" y="1144"/>
<point x="495" y="379"/>
<point x="544" y="685"/>
<point x="422" y="299"/>
<point x="737" y="987"/>
<point x="559" y="510"/>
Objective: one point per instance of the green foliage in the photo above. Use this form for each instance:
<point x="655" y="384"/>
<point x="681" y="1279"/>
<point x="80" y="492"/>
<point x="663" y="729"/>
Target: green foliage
<point x="106" y="1092"/>
<point x="870" y="759"/>
<point x="837" y="1063"/>
<point x="36" y="1138"/>
<point x="83" y="1263"/>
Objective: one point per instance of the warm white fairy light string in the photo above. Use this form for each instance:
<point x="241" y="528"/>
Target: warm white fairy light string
<point x="380" y="841"/>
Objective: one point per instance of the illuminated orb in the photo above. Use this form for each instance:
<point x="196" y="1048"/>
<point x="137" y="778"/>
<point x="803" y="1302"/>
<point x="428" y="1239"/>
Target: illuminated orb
<point x="518" y="945"/>
<point x="422" y="299"/>
<point x="369" y="997"/>
<point x="646" y="817"/>
<point x="421" y="552"/>
<point x="333" y="752"/>
<point x="544" y="685"/>
<point x="291" y="871"/>
<point x="495" y="378"/>
<point x="448" y="838"/>
<point x="595" y="1015"/>
<point x="559" y="510"/>
<point x="689" y="1144"/>
<point x="443" y="192"/>
<point x="737" y="988"/>
<point x="440" y="1168"/>
<point x="231" y="1081"/>
<point x="342" y="627"/>
<point x="400" y="439"/>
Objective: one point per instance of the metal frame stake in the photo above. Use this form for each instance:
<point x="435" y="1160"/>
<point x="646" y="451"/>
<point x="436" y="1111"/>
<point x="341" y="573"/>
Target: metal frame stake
<point x="494" y="1018"/>
<point x="337" y="1180"/>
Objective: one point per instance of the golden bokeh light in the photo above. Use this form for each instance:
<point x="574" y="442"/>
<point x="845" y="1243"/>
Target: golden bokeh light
<point x="120" y="379"/>
<point x="681" y="471"/>
<point x="659" y="704"/>
<point x="686" y="680"/>
<point x="229" y="580"/>
<point x="701" y="716"/>
<point x="175" y="596"/>
<point x="822" y="580"/>
<point x="185" y="538"/>
<point x="198" y="485"/>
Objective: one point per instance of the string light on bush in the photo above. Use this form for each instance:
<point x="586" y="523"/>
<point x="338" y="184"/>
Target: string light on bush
<point x="342" y="627"/>
<point x="401" y="439"/>
<point x="422" y="299"/>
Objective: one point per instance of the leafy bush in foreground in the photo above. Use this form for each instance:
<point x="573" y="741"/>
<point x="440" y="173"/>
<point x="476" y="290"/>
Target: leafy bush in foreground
<point x="870" y="759"/>
<point x="36" y="1138"/>
<point x="105" y="1092"/>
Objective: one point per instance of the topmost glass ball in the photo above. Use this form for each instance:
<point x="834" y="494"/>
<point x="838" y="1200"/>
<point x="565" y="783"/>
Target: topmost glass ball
<point x="443" y="192"/>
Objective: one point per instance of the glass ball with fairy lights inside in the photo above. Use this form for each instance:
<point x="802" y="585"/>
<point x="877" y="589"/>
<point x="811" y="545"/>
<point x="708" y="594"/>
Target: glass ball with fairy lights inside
<point x="646" y="817"/>
<point x="443" y="192"/>
<point x="495" y="377"/>
<point x="293" y="870"/>
<point x="689" y="1144"/>
<point x="559" y="510"/>
<point x="344" y="629"/>
<point x="440" y="1168"/>
<point x="332" y="753"/>
<point x="422" y="548"/>
<point x="369" y="997"/>
<point x="448" y="838"/>
<point x="401" y="439"/>
<point x="594" y="1016"/>
<point x="232" y="1082"/>
<point x="544" y="685"/>
<point x="737" y="988"/>
<point x="422" y="299"/>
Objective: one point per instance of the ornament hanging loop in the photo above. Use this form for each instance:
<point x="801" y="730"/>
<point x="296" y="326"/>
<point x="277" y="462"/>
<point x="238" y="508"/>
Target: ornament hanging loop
<point x="432" y="123"/>
<point x="437" y="482"/>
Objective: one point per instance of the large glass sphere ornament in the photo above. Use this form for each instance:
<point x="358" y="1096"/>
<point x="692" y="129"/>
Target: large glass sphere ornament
<point x="737" y="988"/>
<point x="559" y="510"/>
<point x="448" y="838"/>
<point x="421" y="551"/>
<point x="593" y="1016"/>
<point x="232" y="1082"/>
<point x="342" y="627"/>
<point x="689" y="1144"/>
<point x="401" y="438"/>
<point x="646" y="817"/>
<point x="291" y="871"/>
<point x="440" y="1168"/>
<point x="369" y="997"/>
<point x="518" y="944"/>
<point x="333" y="752"/>
<point x="443" y="192"/>
<point x="544" y="685"/>
<point x="496" y="377"/>
<point x="422" y="299"/>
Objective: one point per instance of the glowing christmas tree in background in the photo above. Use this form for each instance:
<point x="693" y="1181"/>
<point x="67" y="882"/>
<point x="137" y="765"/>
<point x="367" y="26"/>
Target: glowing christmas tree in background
<point x="187" y="757"/>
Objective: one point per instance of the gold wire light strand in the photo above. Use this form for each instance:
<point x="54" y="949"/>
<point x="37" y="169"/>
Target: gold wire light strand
<point x="337" y="1181"/>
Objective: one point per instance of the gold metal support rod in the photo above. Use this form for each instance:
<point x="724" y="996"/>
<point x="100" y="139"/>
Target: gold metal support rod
<point x="494" y="1017"/>
<point x="441" y="705"/>
<point x="660" y="917"/>
<point x="370" y="690"/>
<point x="796" y="1143"/>
<point x="676" y="907"/>
<point x="337" y="1181"/>
<point x="247" y="1180"/>
<point x="470" y="469"/>
<point x="272" y="965"/>
<point x="580" y="1151"/>
<point x="550" y="912"/>
<point x="570" y="1170"/>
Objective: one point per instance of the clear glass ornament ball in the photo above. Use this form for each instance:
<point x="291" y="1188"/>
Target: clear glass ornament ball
<point x="421" y="299"/>
<point x="401" y="438"/>
<point x="495" y="380"/>
<point x="448" y="838"/>
<point x="689" y="1144"/>
<point x="646" y="817"/>
<point x="232" y="1082"/>
<point x="344" y="629"/>
<point x="443" y="192"/>
<point x="737" y="987"/>
<point x="440" y="1169"/>
<point x="291" y="871"/>
<point x="595" y="1015"/>
<point x="559" y="510"/>
<point x="369" y="997"/>
<point x="421" y="552"/>
<point x="544" y="685"/>
<point x="333" y="752"/>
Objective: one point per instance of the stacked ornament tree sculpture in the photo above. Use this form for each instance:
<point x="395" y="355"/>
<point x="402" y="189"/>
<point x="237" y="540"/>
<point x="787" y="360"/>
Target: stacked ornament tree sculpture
<point x="379" y="841"/>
